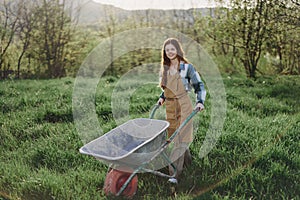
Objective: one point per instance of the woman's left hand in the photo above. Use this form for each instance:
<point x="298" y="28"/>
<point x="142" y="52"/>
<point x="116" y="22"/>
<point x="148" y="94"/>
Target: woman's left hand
<point x="199" y="106"/>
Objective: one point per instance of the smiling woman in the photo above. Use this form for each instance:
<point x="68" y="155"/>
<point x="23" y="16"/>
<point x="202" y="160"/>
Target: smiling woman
<point x="158" y="4"/>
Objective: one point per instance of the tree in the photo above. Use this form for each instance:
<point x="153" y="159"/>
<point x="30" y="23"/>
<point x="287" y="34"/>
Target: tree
<point x="284" y="40"/>
<point x="110" y="28"/>
<point x="8" y="27"/>
<point x="24" y="33"/>
<point x="52" y="32"/>
<point x="255" y="28"/>
<point x="247" y="26"/>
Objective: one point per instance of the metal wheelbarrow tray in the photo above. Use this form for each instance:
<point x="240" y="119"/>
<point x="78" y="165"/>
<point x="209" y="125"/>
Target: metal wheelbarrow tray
<point x="130" y="144"/>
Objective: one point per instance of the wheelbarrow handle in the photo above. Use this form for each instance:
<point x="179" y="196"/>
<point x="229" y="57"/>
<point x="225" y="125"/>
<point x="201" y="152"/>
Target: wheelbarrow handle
<point x="156" y="106"/>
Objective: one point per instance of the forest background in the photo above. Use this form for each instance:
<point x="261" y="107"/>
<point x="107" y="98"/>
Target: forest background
<point x="50" y="39"/>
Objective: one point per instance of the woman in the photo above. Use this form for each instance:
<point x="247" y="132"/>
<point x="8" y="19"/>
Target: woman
<point x="177" y="76"/>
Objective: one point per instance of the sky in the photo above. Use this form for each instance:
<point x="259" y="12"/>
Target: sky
<point x="159" y="4"/>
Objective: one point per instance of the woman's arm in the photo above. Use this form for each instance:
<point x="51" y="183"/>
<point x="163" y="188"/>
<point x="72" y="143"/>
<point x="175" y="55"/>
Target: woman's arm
<point x="197" y="84"/>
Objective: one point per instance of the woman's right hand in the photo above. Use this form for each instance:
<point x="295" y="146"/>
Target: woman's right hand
<point x="160" y="101"/>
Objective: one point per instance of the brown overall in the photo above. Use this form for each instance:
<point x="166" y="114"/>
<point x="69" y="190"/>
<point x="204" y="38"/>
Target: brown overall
<point x="178" y="107"/>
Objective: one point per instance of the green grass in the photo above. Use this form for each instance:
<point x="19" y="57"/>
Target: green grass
<point x="256" y="157"/>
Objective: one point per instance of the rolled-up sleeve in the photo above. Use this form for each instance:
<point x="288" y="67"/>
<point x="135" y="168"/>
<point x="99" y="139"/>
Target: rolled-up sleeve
<point x="197" y="84"/>
<point x="162" y="95"/>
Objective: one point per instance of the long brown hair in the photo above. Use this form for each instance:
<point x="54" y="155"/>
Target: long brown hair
<point x="166" y="62"/>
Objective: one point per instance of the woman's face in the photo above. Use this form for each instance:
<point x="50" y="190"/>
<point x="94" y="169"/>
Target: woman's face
<point x="171" y="51"/>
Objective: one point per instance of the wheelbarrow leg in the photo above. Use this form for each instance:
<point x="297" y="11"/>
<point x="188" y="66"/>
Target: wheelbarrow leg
<point x="128" y="181"/>
<point x="171" y="164"/>
<point x="115" y="180"/>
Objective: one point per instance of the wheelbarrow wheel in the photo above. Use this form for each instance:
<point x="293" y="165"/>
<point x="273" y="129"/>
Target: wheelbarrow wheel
<point x="115" y="179"/>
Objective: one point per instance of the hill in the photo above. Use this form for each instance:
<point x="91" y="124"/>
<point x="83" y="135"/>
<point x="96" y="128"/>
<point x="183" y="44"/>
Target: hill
<point x="96" y="13"/>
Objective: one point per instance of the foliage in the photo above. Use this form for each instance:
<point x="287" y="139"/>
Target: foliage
<point x="42" y="39"/>
<point x="251" y="30"/>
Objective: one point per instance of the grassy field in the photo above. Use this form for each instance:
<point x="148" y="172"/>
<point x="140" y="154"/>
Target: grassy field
<point x="256" y="157"/>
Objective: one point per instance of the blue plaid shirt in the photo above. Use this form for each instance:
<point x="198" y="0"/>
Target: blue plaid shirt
<point x="191" y="78"/>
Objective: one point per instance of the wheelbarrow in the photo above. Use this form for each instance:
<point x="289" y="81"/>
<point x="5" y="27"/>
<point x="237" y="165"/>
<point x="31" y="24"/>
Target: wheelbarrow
<point x="134" y="147"/>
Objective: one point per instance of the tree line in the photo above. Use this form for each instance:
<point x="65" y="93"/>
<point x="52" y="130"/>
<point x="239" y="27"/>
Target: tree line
<point x="256" y="29"/>
<point x="42" y="39"/>
<point x="35" y="35"/>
